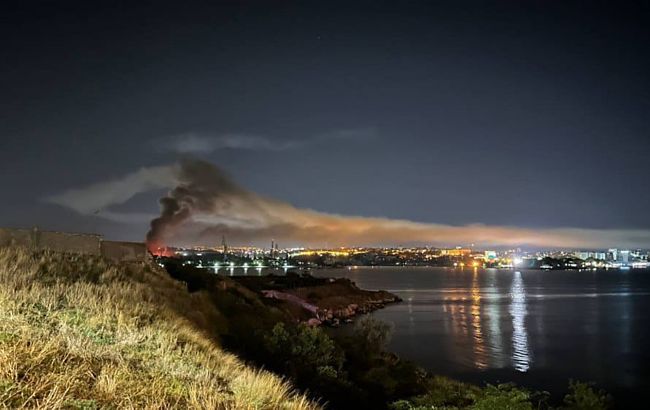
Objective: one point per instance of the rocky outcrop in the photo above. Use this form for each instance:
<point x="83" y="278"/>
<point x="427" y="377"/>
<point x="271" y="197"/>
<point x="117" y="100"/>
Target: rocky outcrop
<point x="274" y="294"/>
<point x="346" y="313"/>
<point x="331" y="301"/>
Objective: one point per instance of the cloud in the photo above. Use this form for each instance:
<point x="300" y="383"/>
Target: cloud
<point x="97" y="197"/>
<point x="192" y="143"/>
<point x="204" y="203"/>
<point x="197" y="143"/>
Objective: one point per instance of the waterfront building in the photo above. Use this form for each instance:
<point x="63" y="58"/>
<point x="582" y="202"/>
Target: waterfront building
<point x="612" y="254"/>
<point x="591" y="255"/>
<point x="456" y="252"/>
<point x="624" y="257"/>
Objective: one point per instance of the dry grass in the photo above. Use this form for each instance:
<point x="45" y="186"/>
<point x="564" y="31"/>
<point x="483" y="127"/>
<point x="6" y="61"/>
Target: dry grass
<point x="77" y="332"/>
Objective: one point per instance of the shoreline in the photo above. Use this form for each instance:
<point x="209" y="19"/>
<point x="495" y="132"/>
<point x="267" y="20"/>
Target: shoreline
<point x="322" y="301"/>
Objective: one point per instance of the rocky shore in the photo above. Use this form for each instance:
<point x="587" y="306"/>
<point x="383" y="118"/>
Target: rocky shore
<point x="319" y="301"/>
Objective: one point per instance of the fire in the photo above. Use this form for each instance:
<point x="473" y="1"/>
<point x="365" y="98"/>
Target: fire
<point x="159" y="249"/>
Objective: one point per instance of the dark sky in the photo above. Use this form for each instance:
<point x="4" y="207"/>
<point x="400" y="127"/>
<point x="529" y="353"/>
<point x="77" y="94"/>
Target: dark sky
<point x="519" y="113"/>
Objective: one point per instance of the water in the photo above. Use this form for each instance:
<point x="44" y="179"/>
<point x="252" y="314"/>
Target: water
<point x="536" y="328"/>
<point x="251" y="271"/>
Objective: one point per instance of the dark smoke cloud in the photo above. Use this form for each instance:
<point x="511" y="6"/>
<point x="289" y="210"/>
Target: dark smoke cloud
<point x="204" y="203"/>
<point x="202" y="188"/>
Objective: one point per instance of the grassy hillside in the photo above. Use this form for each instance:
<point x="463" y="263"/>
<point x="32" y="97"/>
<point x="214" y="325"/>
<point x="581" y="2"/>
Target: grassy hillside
<point x="80" y="332"/>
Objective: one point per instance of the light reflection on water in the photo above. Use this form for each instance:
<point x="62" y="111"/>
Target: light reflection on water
<point x="531" y="327"/>
<point x="249" y="270"/>
<point x="520" y="355"/>
<point x="467" y="322"/>
<point x="480" y="352"/>
<point x="493" y="315"/>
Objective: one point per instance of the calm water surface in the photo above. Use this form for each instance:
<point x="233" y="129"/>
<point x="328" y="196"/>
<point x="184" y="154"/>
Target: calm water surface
<point x="536" y="328"/>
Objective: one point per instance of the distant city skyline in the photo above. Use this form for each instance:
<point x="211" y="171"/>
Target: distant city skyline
<point x="248" y="257"/>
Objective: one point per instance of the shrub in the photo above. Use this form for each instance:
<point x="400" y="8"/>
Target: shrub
<point x="304" y="350"/>
<point x="442" y="392"/>
<point x="502" y="397"/>
<point x="583" y="396"/>
<point x="372" y="334"/>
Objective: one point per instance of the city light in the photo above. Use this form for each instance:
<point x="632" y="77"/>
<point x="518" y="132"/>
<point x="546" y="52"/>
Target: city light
<point x="459" y="257"/>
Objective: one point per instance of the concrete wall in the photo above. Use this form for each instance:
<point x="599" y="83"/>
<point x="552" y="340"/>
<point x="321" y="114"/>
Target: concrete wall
<point x="56" y="241"/>
<point x="12" y="237"/>
<point x="88" y="244"/>
<point x="124" y="251"/>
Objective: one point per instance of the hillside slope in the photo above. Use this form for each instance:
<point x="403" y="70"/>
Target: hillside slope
<point x="81" y="332"/>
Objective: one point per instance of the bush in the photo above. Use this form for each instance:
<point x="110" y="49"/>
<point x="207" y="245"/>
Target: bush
<point x="372" y="334"/>
<point x="303" y="350"/>
<point x="502" y="397"/>
<point x="448" y="394"/>
<point x="441" y="392"/>
<point x="583" y="396"/>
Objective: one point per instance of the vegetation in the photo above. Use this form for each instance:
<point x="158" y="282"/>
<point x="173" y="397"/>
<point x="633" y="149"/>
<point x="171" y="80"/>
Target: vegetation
<point x="79" y="332"/>
<point x="583" y="396"/>
<point x="351" y="369"/>
<point x="349" y="372"/>
<point x="443" y="393"/>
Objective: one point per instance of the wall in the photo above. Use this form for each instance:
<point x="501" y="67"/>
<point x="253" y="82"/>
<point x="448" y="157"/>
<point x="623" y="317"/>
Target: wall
<point x="56" y="241"/>
<point x="10" y="237"/>
<point x="89" y="244"/>
<point x="124" y="251"/>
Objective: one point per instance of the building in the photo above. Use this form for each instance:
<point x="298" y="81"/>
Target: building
<point x="456" y="252"/>
<point x="584" y="255"/>
<point x="612" y="254"/>
<point x="624" y="257"/>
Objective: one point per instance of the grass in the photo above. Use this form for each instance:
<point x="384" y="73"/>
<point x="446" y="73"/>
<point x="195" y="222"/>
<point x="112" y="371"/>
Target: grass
<point x="79" y="332"/>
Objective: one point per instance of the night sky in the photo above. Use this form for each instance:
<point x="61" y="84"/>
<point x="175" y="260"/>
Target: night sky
<point x="510" y="113"/>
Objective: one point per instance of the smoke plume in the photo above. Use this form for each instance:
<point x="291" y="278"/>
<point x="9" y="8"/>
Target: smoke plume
<point x="206" y="204"/>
